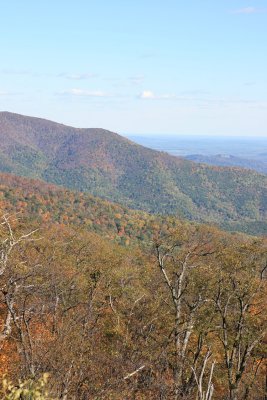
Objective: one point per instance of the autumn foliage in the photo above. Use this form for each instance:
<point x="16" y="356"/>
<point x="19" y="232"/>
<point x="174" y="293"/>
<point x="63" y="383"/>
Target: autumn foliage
<point x="183" y="317"/>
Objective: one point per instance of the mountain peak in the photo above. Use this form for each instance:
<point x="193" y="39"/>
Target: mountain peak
<point x="21" y="128"/>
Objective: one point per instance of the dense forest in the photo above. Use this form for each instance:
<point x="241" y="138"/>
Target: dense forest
<point x="112" y="167"/>
<point x="83" y="317"/>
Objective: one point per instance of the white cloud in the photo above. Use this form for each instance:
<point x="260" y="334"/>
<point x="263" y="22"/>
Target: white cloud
<point x="9" y="71"/>
<point x="88" y="93"/>
<point x="207" y="101"/>
<point x="149" y="95"/>
<point x="246" y="10"/>
<point x="137" y="80"/>
<point x="71" y="76"/>
<point x="5" y="93"/>
<point x="195" y="92"/>
<point x="76" y="77"/>
<point x="249" y="10"/>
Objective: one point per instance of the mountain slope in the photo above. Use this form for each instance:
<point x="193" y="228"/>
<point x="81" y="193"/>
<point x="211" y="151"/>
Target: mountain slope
<point x="112" y="167"/>
<point x="35" y="200"/>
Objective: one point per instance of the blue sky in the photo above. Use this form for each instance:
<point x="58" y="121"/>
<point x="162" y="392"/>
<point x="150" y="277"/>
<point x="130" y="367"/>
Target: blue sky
<point x="137" y="66"/>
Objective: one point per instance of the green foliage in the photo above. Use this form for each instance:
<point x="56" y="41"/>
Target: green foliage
<point x="109" y="166"/>
<point x="46" y="203"/>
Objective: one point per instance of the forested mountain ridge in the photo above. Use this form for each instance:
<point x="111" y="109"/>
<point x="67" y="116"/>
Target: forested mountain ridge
<point x="36" y="200"/>
<point x="43" y="203"/>
<point x="107" y="165"/>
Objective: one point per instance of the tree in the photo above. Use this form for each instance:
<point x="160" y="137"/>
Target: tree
<point x="15" y="278"/>
<point x="239" y="299"/>
<point x="182" y="262"/>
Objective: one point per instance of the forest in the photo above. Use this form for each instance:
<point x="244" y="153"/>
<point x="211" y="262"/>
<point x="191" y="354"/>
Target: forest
<point x="85" y="317"/>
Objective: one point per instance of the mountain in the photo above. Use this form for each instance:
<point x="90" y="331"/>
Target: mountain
<point x="114" y="168"/>
<point x="259" y="164"/>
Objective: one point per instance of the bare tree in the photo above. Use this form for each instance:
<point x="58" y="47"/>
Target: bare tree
<point x="240" y="290"/>
<point x="10" y="282"/>
<point x="205" y="393"/>
<point x="180" y="264"/>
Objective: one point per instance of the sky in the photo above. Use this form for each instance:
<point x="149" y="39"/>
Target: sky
<point x="143" y="67"/>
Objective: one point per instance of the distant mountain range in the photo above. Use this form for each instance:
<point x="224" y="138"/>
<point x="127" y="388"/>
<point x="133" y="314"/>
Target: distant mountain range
<point x="112" y="167"/>
<point x="259" y="164"/>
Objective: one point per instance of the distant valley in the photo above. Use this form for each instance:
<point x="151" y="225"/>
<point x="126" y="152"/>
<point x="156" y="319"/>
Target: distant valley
<point x="259" y="164"/>
<point x="244" y="152"/>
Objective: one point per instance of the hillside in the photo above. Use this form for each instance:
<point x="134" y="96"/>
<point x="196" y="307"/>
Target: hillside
<point x="114" y="168"/>
<point x="43" y="203"/>
<point x="38" y="201"/>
